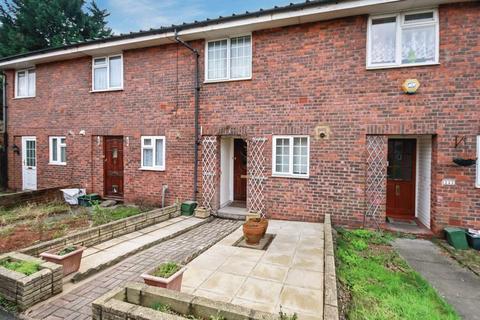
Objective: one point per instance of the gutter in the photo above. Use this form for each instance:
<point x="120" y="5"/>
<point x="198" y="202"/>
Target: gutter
<point x="197" y="107"/>
<point x="4" y="154"/>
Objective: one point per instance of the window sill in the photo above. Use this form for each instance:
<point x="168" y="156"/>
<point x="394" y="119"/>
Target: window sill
<point x="403" y="66"/>
<point x="106" y="90"/>
<point x="290" y="176"/>
<point x="151" y="169"/>
<point x="57" y="164"/>
<point x="27" y="97"/>
<point x="226" y="80"/>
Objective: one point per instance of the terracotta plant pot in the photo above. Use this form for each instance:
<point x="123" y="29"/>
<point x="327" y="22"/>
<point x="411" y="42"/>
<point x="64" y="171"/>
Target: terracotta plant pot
<point x="70" y="261"/>
<point x="264" y="222"/>
<point x="253" y="231"/>
<point x="174" y="282"/>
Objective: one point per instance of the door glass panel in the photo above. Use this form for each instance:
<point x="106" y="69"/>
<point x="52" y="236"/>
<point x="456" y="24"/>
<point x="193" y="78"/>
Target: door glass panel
<point x="30" y="160"/>
<point x="114" y="153"/>
<point x="400" y="160"/>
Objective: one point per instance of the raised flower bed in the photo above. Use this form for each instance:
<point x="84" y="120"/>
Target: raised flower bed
<point x="137" y="301"/>
<point x="25" y="280"/>
<point x="168" y="275"/>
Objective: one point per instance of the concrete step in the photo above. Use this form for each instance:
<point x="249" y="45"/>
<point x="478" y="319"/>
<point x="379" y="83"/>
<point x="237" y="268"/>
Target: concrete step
<point x="111" y="252"/>
<point x="234" y="213"/>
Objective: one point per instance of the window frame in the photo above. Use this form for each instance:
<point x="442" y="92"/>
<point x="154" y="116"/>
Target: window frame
<point x="229" y="78"/>
<point x="399" y="27"/>
<point x="59" y="161"/>
<point x="154" y="153"/>
<point x="27" y="71"/>
<point x="477" y="178"/>
<point x="290" y="173"/>
<point x="107" y="59"/>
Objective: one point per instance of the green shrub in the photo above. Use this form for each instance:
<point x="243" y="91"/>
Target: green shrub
<point x="25" y="267"/>
<point x="67" y="250"/>
<point x="166" y="269"/>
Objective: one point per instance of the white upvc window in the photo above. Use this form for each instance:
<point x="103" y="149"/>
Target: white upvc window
<point x="291" y="156"/>
<point x="153" y="153"/>
<point x="107" y="73"/>
<point x="403" y="39"/>
<point x="25" y="83"/>
<point x="229" y="59"/>
<point x="477" y="183"/>
<point x="58" y="150"/>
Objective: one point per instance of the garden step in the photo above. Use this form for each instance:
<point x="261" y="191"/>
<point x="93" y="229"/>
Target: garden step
<point x="108" y="253"/>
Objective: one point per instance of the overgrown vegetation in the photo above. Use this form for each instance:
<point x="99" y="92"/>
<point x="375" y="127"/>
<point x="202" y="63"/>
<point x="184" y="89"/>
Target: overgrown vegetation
<point x="380" y="283"/>
<point x="283" y="316"/>
<point x="30" y="211"/>
<point x="25" y="267"/>
<point x="165" y="308"/>
<point x="102" y="215"/>
<point x="469" y="258"/>
<point x="166" y="269"/>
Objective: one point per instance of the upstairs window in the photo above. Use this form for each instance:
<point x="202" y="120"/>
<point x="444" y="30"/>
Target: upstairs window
<point x="229" y="59"/>
<point x="25" y="83"/>
<point x="58" y="150"/>
<point x="291" y="156"/>
<point x="153" y="153"/>
<point x="405" y="39"/>
<point x="107" y="73"/>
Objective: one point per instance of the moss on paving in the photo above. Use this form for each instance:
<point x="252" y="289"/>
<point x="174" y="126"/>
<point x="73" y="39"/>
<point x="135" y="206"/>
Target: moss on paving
<point x="380" y="283"/>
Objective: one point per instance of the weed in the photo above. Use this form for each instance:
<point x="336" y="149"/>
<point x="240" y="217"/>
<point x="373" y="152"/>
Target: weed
<point x="166" y="269"/>
<point x="359" y="244"/>
<point x="67" y="250"/>
<point x="25" y="267"/>
<point x="283" y="316"/>
<point x="8" y="305"/>
<point x="104" y="215"/>
<point x="6" y="231"/>
<point x="161" y="307"/>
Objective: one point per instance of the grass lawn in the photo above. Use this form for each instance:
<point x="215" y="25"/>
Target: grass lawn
<point x="31" y="211"/>
<point x="376" y="283"/>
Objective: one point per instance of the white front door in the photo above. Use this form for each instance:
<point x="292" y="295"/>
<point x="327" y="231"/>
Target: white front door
<point x="29" y="163"/>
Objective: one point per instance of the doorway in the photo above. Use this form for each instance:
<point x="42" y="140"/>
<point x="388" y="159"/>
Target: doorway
<point x="401" y="178"/>
<point x="113" y="167"/>
<point x="29" y="163"/>
<point x="233" y="167"/>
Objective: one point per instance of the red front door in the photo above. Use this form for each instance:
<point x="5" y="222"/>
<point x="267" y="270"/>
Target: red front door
<point x="113" y="166"/>
<point x="240" y="170"/>
<point x="401" y="178"/>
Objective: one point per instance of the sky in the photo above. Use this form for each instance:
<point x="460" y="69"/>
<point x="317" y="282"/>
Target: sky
<point x="134" y="15"/>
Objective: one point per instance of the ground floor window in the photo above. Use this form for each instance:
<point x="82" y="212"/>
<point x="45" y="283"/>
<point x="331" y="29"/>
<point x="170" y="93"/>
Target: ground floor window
<point x="291" y="156"/>
<point x="58" y="150"/>
<point x="153" y="153"/>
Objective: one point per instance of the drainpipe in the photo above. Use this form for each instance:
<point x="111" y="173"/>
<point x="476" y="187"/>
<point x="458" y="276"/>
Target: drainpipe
<point x="5" y="134"/>
<point x="197" y="106"/>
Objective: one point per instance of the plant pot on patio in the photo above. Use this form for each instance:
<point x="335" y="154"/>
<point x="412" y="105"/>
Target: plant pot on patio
<point x="168" y="275"/>
<point x="253" y="231"/>
<point x="69" y="257"/>
<point x="201" y="212"/>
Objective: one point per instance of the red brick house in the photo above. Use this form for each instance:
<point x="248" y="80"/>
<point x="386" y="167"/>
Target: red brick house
<point x="301" y="112"/>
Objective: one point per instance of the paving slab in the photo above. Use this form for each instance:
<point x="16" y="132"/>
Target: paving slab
<point x="289" y="274"/>
<point x="457" y="285"/>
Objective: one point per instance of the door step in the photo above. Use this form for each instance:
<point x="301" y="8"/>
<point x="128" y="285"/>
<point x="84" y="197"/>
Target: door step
<point x="233" y="213"/>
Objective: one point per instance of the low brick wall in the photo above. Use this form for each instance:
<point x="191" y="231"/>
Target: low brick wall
<point x="25" y="291"/>
<point x="133" y="302"/>
<point x="38" y="196"/>
<point x="95" y="235"/>
<point x="330" y="300"/>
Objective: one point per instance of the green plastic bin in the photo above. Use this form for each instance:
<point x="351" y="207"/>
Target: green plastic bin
<point x="457" y="238"/>
<point x="86" y="200"/>
<point x="188" y="207"/>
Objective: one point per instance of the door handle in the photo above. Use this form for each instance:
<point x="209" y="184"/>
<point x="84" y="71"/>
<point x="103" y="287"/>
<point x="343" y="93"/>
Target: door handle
<point x="397" y="190"/>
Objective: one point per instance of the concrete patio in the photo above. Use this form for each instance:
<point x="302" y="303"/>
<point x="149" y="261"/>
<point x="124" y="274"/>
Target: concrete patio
<point x="289" y="274"/>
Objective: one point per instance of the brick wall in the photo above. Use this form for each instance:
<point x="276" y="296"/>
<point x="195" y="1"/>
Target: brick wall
<point x="303" y="76"/>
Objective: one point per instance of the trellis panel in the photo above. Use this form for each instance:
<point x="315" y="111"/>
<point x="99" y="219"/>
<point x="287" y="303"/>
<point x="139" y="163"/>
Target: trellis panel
<point x="209" y="171"/>
<point x="256" y="175"/>
<point x="376" y="176"/>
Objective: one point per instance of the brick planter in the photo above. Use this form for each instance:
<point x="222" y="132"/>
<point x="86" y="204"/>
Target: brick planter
<point x="134" y="302"/>
<point x="25" y="291"/>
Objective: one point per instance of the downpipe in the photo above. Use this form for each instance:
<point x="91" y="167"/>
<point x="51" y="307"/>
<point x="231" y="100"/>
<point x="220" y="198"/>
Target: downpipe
<point x="197" y="107"/>
<point x="4" y="168"/>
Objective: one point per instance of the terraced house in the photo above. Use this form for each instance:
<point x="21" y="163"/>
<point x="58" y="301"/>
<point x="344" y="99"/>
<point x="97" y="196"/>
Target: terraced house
<point x="363" y="109"/>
